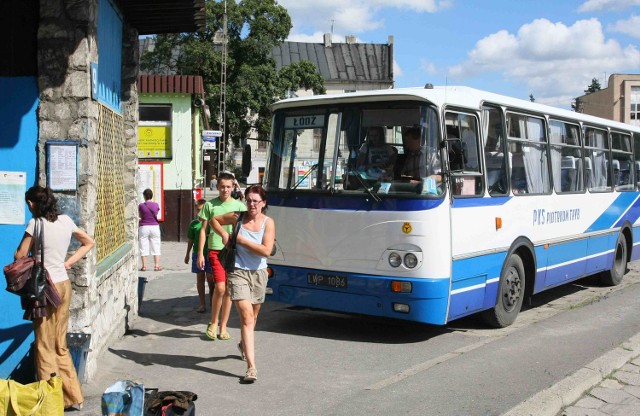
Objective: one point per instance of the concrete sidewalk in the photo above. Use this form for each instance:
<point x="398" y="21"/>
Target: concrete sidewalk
<point x="609" y="385"/>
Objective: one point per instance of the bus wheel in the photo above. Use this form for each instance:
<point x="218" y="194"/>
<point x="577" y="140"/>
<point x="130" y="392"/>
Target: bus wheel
<point x="510" y="295"/>
<point x="614" y="276"/>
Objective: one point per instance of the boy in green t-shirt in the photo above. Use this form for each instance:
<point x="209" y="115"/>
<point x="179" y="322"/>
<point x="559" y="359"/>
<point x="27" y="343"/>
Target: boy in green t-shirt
<point x="223" y="204"/>
<point x="193" y="235"/>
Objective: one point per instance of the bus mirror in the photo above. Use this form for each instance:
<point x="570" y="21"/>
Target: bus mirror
<point x="246" y="160"/>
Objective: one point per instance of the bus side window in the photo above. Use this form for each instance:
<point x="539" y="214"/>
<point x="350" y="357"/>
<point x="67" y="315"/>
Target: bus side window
<point x="495" y="162"/>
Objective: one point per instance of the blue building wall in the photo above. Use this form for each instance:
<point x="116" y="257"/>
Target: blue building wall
<point x="110" y="55"/>
<point x="18" y="142"/>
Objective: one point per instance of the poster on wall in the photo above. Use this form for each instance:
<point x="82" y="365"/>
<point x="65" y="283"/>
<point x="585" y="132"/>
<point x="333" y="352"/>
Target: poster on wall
<point x="150" y="176"/>
<point x="154" y="142"/>
<point x="62" y="165"/>
<point x="13" y="185"/>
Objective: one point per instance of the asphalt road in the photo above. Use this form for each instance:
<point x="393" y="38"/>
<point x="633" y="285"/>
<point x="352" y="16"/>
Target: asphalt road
<point x="312" y="362"/>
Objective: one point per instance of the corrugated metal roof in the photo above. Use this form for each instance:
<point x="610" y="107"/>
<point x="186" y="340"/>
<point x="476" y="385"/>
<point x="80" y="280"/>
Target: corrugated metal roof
<point x="180" y="84"/>
<point x="341" y="61"/>
<point x="164" y="16"/>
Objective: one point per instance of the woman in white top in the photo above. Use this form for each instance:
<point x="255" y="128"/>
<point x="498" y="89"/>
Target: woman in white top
<point x="51" y="352"/>
<point x="247" y="283"/>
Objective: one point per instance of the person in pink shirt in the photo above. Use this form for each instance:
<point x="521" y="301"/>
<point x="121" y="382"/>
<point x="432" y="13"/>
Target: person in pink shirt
<point x="149" y="231"/>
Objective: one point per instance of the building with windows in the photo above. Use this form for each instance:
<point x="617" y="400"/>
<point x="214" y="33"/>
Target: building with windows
<point x="345" y="67"/>
<point x="619" y="101"/>
<point x="69" y="116"/>
<point x="170" y="146"/>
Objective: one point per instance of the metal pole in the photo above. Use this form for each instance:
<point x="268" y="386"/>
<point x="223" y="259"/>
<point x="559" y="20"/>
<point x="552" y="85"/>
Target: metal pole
<point x="222" y="148"/>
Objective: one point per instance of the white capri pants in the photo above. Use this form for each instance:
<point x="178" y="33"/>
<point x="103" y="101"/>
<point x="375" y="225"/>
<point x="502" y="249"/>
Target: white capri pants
<point x="149" y="240"/>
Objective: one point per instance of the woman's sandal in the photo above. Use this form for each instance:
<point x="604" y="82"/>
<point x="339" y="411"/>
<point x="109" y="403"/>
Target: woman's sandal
<point x="251" y="374"/>
<point x="158" y="268"/>
<point x="211" y="334"/>
<point x="224" y="336"/>
<point x="143" y="269"/>
<point x="201" y="309"/>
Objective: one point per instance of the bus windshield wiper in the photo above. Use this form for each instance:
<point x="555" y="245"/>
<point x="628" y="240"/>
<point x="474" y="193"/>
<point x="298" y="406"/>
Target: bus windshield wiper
<point x="366" y="188"/>
<point x="305" y="176"/>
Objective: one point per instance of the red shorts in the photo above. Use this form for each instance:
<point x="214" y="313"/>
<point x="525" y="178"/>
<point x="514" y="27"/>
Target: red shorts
<point x="219" y="274"/>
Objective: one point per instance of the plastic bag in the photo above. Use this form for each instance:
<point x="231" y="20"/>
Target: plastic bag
<point x="123" y="397"/>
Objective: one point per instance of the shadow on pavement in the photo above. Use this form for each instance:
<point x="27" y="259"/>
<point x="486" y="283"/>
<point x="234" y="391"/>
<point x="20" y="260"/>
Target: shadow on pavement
<point x="187" y="362"/>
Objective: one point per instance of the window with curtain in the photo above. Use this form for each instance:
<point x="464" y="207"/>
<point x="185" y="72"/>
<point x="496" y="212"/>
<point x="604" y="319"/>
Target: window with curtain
<point x="529" y="166"/>
<point x="597" y="160"/>
<point x="622" y="172"/>
<point x="567" y="167"/>
<point x="493" y="134"/>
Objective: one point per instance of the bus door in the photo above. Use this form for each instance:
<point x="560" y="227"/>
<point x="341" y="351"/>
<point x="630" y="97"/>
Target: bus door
<point x="468" y="227"/>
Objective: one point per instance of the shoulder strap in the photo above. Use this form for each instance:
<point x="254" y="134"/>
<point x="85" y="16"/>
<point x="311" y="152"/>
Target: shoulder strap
<point x="236" y="229"/>
<point x="151" y="211"/>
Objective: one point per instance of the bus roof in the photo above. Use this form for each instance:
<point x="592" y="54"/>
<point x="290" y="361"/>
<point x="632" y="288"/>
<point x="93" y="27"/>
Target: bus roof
<point x="459" y="96"/>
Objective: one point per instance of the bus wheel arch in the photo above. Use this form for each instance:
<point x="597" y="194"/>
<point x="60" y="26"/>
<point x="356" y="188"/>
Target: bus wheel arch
<point x="516" y="283"/>
<point x="621" y="257"/>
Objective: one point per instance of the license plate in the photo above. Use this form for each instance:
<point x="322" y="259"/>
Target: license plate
<point x="331" y="280"/>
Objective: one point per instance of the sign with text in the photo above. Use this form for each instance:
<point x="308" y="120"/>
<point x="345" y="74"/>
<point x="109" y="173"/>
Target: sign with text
<point x="154" y="142"/>
<point x="62" y="165"/>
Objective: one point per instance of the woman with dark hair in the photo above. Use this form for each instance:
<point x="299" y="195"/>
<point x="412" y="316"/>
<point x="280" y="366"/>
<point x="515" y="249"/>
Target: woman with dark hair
<point x="149" y="231"/>
<point x="248" y="281"/>
<point x="51" y="352"/>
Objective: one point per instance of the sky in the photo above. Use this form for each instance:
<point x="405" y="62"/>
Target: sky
<point x="551" y="49"/>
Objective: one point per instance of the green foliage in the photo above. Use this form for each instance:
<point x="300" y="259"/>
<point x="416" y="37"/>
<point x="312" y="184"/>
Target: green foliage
<point x="593" y="87"/>
<point x="254" y="27"/>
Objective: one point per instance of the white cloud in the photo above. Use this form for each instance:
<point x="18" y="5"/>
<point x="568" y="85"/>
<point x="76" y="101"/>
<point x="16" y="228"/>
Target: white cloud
<point x="397" y="70"/>
<point x="350" y="16"/>
<point x="552" y="59"/>
<point x="629" y="27"/>
<point x="428" y="67"/>
<point x="607" y="5"/>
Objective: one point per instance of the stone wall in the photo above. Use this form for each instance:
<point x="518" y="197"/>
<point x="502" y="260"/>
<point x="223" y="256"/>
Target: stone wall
<point x="104" y="296"/>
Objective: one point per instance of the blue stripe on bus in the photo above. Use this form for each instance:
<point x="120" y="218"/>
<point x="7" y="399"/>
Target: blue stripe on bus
<point x="362" y="202"/>
<point x="613" y="215"/>
<point x="479" y="202"/>
<point x="475" y="280"/>
<point x="366" y="294"/>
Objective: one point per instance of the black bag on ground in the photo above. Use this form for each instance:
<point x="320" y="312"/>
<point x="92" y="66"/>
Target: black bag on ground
<point x="169" y="403"/>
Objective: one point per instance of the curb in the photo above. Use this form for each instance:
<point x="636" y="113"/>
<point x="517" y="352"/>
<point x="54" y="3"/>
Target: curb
<point x="550" y="401"/>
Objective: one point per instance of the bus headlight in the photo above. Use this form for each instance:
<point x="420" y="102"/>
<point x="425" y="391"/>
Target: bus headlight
<point x="410" y="260"/>
<point x="395" y="260"/>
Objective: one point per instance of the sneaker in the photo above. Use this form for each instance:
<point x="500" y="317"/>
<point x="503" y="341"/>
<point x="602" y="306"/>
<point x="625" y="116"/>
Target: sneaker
<point x="242" y="356"/>
<point x="251" y="374"/>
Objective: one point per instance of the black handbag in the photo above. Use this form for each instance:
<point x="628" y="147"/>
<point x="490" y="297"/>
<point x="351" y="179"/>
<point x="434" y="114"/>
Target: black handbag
<point x="227" y="256"/>
<point x="27" y="276"/>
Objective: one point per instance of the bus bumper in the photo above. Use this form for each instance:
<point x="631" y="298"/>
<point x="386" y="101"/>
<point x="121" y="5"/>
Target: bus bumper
<point x="364" y="294"/>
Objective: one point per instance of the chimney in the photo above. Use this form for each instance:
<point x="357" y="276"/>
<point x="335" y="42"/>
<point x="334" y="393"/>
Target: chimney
<point x="349" y="39"/>
<point x="327" y="40"/>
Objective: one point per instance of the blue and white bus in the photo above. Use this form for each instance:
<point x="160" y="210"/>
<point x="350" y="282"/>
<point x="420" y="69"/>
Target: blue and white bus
<point x="503" y="198"/>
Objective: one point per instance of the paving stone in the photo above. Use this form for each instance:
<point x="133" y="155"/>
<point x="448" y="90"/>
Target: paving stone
<point x="628" y="378"/>
<point x="636" y="361"/>
<point x="630" y="368"/>
<point x="621" y="409"/>
<point x="633" y="390"/>
<point x="589" y="402"/>
<point x="613" y="396"/>
<point x="610" y="383"/>
<point x="579" y="411"/>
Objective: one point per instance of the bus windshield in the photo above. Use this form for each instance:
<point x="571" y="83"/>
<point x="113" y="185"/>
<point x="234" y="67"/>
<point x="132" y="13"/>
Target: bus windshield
<point x="376" y="148"/>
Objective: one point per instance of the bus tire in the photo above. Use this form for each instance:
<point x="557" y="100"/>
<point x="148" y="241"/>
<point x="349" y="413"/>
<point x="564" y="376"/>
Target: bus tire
<point x="614" y="276"/>
<point x="510" y="294"/>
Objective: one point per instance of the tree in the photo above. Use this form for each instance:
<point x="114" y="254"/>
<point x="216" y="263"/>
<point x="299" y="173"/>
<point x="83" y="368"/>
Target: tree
<point x="593" y="87"/>
<point x="253" y="83"/>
